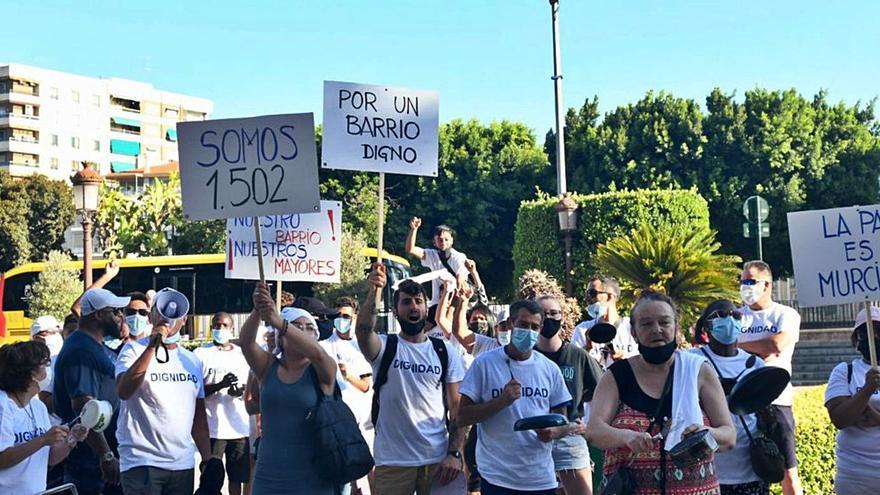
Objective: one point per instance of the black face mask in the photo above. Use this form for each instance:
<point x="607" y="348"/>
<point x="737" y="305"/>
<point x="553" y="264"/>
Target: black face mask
<point x="480" y="327"/>
<point x="658" y="355"/>
<point x="550" y="328"/>
<point x="325" y="329"/>
<point x="866" y="351"/>
<point x="411" y="328"/>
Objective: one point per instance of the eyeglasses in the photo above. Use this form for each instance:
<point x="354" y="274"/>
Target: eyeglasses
<point x="751" y="281"/>
<point x="594" y="292"/>
<point x="723" y="313"/>
<point x="132" y="311"/>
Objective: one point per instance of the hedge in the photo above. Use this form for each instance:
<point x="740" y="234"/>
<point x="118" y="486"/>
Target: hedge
<point x="816" y="438"/>
<point x="601" y="217"/>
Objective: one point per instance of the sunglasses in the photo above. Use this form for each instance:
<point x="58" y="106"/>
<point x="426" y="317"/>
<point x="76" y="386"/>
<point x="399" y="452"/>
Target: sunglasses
<point x="132" y="311"/>
<point x="751" y="281"/>
<point x="723" y="313"/>
<point x="594" y="292"/>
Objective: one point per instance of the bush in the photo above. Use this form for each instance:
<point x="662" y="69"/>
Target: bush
<point x="601" y="217"/>
<point x="55" y="289"/>
<point x="815" y="441"/>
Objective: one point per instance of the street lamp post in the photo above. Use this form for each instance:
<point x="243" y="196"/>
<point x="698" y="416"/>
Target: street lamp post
<point x="561" y="186"/>
<point x="85" y="200"/>
<point x="567" y="210"/>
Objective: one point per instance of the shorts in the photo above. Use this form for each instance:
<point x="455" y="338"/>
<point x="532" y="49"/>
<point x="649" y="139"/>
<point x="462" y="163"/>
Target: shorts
<point x="785" y="418"/>
<point x="855" y="484"/>
<point x="145" y="480"/>
<point x="571" y="453"/>
<point x="487" y="488"/>
<point x="753" y="488"/>
<point x="400" y="480"/>
<point x="238" y="458"/>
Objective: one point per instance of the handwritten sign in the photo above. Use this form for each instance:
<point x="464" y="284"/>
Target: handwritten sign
<point x="836" y="255"/>
<point x="248" y="167"/>
<point x="296" y="247"/>
<point x="380" y="129"/>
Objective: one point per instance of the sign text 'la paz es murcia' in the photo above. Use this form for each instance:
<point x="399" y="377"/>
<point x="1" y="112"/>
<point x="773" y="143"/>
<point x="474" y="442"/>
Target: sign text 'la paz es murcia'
<point x="248" y="167"/>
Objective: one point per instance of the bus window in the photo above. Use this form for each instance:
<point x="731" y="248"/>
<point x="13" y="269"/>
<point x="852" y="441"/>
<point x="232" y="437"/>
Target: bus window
<point x="17" y="291"/>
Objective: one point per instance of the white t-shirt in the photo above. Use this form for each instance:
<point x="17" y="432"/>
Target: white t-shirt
<point x="432" y="261"/>
<point x="411" y="429"/>
<point x="227" y="416"/>
<point x="623" y="340"/>
<point x="759" y="325"/>
<point x="856" y="451"/>
<point x="346" y="352"/>
<point x="516" y="460"/>
<point x="155" y="423"/>
<point x="484" y="343"/>
<point x="735" y="466"/>
<point x="17" y="426"/>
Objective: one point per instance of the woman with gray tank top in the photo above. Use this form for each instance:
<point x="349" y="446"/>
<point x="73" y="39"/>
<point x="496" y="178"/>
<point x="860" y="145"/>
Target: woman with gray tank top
<point x="288" y="391"/>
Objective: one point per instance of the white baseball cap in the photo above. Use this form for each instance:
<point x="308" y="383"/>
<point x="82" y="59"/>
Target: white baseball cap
<point x="861" y="318"/>
<point x="98" y="299"/>
<point x="46" y="323"/>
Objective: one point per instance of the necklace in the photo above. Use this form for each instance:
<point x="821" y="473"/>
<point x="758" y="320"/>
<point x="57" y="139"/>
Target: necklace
<point x="27" y="410"/>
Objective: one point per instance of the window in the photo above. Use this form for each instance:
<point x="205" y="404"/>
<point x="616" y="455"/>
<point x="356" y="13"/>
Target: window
<point x="4" y="87"/>
<point x="53" y="93"/>
<point x="2" y="133"/>
<point x="74" y="95"/>
<point x="54" y="140"/>
<point x="74" y="143"/>
<point x="171" y="113"/>
<point x="96" y="145"/>
<point x="53" y="163"/>
<point x="96" y="100"/>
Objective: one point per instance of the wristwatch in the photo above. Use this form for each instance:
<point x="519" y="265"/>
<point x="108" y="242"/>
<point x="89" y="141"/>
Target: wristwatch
<point x="454" y="453"/>
<point x="108" y="456"/>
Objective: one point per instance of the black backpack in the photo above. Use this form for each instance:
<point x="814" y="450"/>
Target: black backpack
<point x="341" y="453"/>
<point x="382" y="374"/>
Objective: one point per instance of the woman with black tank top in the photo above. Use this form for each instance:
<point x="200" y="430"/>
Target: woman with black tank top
<point x="632" y="414"/>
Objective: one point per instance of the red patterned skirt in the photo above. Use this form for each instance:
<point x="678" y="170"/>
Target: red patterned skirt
<point x="699" y="479"/>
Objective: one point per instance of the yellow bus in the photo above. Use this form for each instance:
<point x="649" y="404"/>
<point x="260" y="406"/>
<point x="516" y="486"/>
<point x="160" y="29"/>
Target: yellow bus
<point x="200" y="277"/>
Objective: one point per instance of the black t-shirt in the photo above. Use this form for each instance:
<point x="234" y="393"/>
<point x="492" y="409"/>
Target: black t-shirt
<point x="581" y="373"/>
<point x="632" y="394"/>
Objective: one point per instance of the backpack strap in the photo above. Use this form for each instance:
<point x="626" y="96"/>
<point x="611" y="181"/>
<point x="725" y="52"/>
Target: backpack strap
<point x="712" y="361"/>
<point x="382" y="374"/>
<point x="440" y="349"/>
<point x="337" y="392"/>
<point x="849" y="369"/>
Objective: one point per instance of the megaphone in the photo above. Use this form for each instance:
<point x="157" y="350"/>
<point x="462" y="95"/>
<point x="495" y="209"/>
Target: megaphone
<point x="170" y="305"/>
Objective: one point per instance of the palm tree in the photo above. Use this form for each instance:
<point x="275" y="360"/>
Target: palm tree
<point x="685" y="265"/>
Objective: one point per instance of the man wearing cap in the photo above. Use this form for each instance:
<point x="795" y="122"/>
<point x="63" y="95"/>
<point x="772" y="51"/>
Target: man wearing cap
<point x="225" y="372"/>
<point x="84" y="371"/>
<point x="602" y="295"/>
<point x="322" y="314"/>
<point x="770" y="331"/>
<point x="162" y="419"/>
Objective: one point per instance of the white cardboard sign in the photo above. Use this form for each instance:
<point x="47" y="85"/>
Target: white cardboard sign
<point x="380" y="129"/>
<point x="836" y="255"/>
<point x="248" y="167"/>
<point x="296" y="247"/>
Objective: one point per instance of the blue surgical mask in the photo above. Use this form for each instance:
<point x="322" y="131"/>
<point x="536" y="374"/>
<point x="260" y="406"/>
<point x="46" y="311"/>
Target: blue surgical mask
<point x="112" y="342"/>
<point x="342" y="325"/>
<point x="524" y="339"/>
<point x="221" y="335"/>
<point x="137" y="325"/>
<point x="597" y="310"/>
<point x="172" y="339"/>
<point x="726" y="330"/>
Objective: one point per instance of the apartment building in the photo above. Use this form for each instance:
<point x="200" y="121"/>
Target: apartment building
<point x="50" y="121"/>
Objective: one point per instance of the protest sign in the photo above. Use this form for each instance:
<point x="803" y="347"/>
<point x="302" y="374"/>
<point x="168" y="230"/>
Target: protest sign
<point x="248" y="167"/>
<point x="296" y="247"/>
<point x="836" y="255"/>
<point x="380" y="129"/>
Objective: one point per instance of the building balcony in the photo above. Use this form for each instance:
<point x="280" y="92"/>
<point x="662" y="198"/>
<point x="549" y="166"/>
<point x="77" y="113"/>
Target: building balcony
<point x="20" y="145"/>
<point x="19" y="169"/>
<point x="20" y="121"/>
<point x="26" y="98"/>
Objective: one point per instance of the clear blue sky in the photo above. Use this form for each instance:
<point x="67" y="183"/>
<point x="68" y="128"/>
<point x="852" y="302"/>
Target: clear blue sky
<point x="488" y="59"/>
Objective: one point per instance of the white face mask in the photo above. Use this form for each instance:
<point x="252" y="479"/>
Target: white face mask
<point x="503" y="337"/>
<point x="597" y="310"/>
<point x="54" y="341"/>
<point x="750" y="294"/>
<point x="45" y="382"/>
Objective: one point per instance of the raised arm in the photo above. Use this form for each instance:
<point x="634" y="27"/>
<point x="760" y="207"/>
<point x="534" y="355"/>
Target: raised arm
<point x="460" y="329"/>
<point x="411" y="247"/>
<point x="110" y="271"/>
<point x="479" y="288"/>
<point x="365" y="331"/>
<point x="257" y="358"/>
<point x="306" y="344"/>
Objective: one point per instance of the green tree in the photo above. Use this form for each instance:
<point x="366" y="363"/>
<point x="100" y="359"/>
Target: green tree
<point x="352" y="278"/>
<point x="485" y="171"/>
<point x="200" y="237"/>
<point x="681" y="263"/>
<point x="55" y="289"/>
<point x="15" y="247"/>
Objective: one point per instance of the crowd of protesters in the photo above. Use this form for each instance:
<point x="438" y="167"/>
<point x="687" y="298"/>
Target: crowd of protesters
<point x="436" y="399"/>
